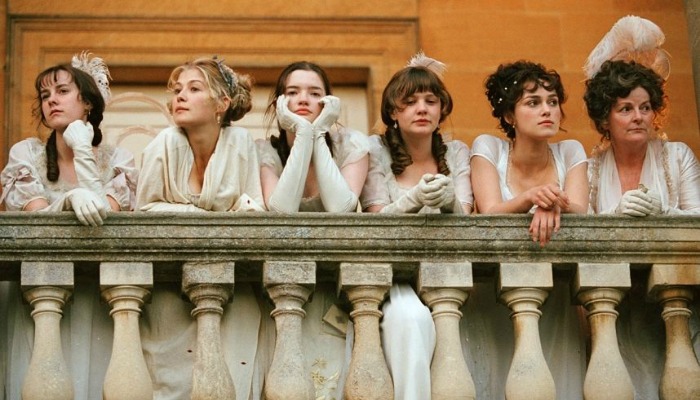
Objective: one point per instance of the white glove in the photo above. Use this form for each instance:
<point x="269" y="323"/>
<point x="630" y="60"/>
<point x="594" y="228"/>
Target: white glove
<point x="439" y="192"/>
<point x="413" y="200"/>
<point x="335" y="191"/>
<point x="78" y="136"/>
<point x="88" y="207"/>
<point x="287" y="194"/>
<point x="329" y="115"/>
<point x="637" y="203"/>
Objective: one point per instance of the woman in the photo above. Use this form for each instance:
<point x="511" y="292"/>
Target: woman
<point x="204" y="163"/>
<point x="636" y="171"/>
<point x="526" y="173"/>
<point x="201" y="164"/>
<point x="71" y="171"/>
<point x="309" y="166"/>
<point x="75" y="171"/>
<point x="412" y="170"/>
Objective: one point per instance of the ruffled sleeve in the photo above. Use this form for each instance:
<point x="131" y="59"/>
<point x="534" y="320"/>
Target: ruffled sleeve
<point x="122" y="186"/>
<point x="349" y="146"/>
<point x="376" y="188"/>
<point x="458" y="161"/>
<point x="268" y="156"/>
<point x="21" y="181"/>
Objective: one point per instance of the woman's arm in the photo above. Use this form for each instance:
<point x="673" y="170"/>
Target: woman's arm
<point x="339" y="189"/>
<point x="576" y="188"/>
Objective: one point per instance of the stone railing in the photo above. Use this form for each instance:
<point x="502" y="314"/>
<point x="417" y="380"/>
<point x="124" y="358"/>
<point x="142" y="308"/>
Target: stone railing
<point x="598" y="258"/>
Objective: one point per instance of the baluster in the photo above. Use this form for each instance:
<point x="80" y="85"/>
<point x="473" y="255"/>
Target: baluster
<point x="600" y="288"/>
<point x="366" y="286"/>
<point x="289" y="285"/>
<point x="524" y="288"/>
<point x="47" y="287"/>
<point x="209" y="286"/>
<point x="443" y="286"/>
<point x="671" y="285"/>
<point x="125" y="288"/>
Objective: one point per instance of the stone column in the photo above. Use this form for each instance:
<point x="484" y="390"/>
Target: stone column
<point x="209" y="286"/>
<point x="47" y="287"/>
<point x="289" y="285"/>
<point x="600" y="288"/>
<point x="524" y="288"/>
<point x="672" y="286"/>
<point x="366" y="286"/>
<point x="443" y="287"/>
<point x="125" y="287"/>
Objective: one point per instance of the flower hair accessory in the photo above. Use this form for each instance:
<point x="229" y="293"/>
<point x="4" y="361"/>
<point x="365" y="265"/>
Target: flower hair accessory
<point x="421" y="60"/>
<point x="227" y="73"/>
<point x="96" y="68"/>
<point x="631" y="39"/>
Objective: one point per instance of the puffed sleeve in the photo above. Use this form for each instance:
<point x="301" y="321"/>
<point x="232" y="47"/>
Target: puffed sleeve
<point x="572" y="152"/>
<point x="486" y="146"/>
<point x="268" y="156"/>
<point x="20" y="179"/>
<point x="458" y="156"/>
<point x="122" y="187"/>
<point x="376" y="188"/>
<point x="689" y="180"/>
<point x="350" y="146"/>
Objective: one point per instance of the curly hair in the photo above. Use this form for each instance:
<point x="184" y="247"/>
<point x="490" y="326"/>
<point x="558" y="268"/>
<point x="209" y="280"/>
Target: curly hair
<point x="88" y="93"/>
<point x="280" y="142"/>
<point x="402" y="85"/>
<point x="615" y="80"/>
<point x="506" y="86"/>
<point x="223" y="83"/>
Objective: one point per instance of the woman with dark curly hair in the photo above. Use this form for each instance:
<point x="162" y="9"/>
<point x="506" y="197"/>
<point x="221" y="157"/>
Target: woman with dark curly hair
<point x="635" y="171"/>
<point x="526" y="173"/>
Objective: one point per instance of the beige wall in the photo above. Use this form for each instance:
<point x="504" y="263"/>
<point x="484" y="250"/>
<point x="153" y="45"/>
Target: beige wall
<point x="472" y="37"/>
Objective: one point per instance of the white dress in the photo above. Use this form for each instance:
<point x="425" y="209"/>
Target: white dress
<point x="486" y="323"/>
<point x="326" y="351"/>
<point x="381" y="187"/>
<point x="407" y="323"/>
<point x="675" y="176"/>
<point x="86" y="327"/>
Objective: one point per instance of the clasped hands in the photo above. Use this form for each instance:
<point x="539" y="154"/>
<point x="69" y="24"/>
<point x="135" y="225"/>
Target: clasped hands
<point x="640" y="202"/>
<point x="436" y="191"/>
<point x="292" y="122"/>
<point x="549" y="201"/>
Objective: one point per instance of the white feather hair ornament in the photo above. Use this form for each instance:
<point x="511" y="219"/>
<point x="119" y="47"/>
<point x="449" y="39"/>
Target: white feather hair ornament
<point x="96" y="68"/>
<point x="631" y="39"/>
<point x="421" y="60"/>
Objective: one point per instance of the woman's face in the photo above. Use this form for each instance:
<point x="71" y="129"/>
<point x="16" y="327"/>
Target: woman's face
<point x="537" y="114"/>
<point x="304" y="89"/>
<point x="60" y="101"/>
<point x="192" y="104"/>
<point x="418" y="114"/>
<point x="631" y="118"/>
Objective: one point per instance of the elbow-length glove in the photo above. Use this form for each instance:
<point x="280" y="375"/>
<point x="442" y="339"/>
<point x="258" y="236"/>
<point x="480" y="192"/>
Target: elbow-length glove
<point x="287" y="194"/>
<point x="639" y="203"/>
<point x="86" y="205"/>
<point x="336" y="194"/>
<point x="78" y="136"/>
<point x="414" y="199"/>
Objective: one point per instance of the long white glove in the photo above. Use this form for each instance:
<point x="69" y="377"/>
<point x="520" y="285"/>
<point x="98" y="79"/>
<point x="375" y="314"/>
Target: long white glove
<point x="335" y="192"/>
<point x="414" y="199"/>
<point x="287" y="194"/>
<point x="78" y="136"/>
<point x="89" y="209"/>
<point x="639" y="203"/>
<point x="441" y="194"/>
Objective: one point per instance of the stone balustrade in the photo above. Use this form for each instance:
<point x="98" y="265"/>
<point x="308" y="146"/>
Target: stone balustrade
<point x="450" y="260"/>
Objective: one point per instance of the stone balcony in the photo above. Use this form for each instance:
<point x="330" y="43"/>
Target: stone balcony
<point x="594" y="267"/>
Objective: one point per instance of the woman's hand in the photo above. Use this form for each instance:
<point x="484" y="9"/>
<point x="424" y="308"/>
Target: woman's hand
<point x="544" y="224"/>
<point x="549" y="196"/>
<point x="438" y="191"/>
<point x="78" y="134"/>
<point x="329" y="115"/>
<point x="289" y="121"/>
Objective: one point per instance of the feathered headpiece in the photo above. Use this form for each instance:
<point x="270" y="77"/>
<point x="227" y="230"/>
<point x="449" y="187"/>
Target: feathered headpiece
<point x="631" y="39"/>
<point x="421" y="60"/>
<point x="96" y="68"/>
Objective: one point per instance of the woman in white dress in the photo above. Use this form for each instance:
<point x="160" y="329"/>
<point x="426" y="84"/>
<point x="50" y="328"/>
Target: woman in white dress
<point x="527" y="173"/>
<point x="72" y="170"/>
<point x="202" y="164"/>
<point x="414" y="170"/>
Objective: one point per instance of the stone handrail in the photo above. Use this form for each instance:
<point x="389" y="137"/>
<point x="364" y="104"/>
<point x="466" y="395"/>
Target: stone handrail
<point x="363" y="254"/>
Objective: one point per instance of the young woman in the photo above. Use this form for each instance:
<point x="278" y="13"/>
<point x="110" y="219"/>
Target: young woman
<point x="412" y="169"/>
<point x="204" y="163"/>
<point x="526" y="173"/>
<point x="72" y="170"/>
<point x="636" y="171"/>
<point x="314" y="164"/>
